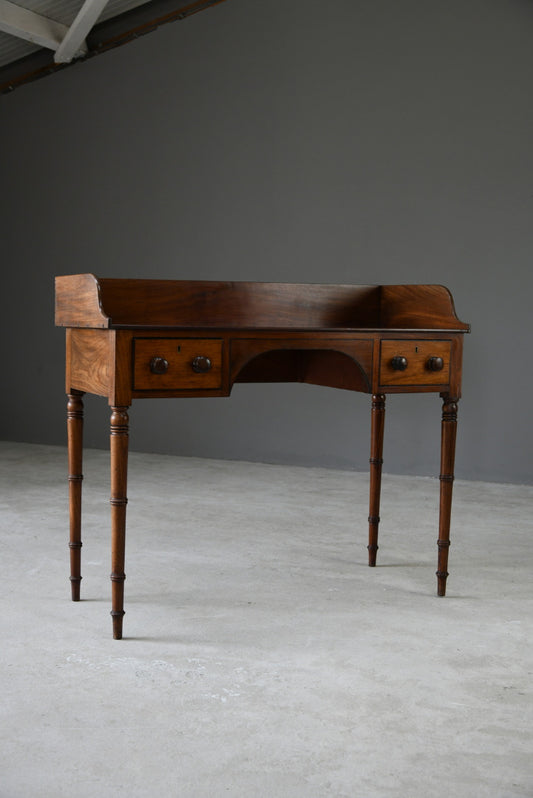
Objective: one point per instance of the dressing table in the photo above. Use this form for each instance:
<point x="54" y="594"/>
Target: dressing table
<point x="134" y="339"/>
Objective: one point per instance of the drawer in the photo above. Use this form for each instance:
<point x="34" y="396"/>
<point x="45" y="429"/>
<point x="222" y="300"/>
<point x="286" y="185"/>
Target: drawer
<point x="414" y="362"/>
<point x="175" y="364"/>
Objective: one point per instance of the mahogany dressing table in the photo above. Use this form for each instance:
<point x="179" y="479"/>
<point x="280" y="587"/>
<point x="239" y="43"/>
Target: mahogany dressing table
<point x="134" y="339"/>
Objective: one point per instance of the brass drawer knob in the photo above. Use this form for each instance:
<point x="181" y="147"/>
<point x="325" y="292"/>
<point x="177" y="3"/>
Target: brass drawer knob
<point x="158" y="365"/>
<point x="201" y="364"/>
<point x="435" y="364"/>
<point x="399" y="363"/>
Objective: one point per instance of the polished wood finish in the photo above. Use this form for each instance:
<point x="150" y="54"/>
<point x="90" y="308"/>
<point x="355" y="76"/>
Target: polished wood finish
<point x="118" y="501"/>
<point x="417" y="362"/>
<point x="133" y="339"/>
<point x="86" y="301"/>
<point x="377" y="430"/>
<point x="447" y="460"/>
<point x="75" y="478"/>
<point x="186" y="363"/>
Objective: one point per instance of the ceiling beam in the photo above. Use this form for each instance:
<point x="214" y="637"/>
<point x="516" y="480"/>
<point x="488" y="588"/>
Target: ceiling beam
<point x="106" y="35"/>
<point x="33" y="27"/>
<point x="75" y="36"/>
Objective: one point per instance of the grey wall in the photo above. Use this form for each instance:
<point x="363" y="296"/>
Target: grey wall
<point x="354" y="141"/>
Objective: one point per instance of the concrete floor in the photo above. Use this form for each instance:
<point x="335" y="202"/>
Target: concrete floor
<point x="262" y="657"/>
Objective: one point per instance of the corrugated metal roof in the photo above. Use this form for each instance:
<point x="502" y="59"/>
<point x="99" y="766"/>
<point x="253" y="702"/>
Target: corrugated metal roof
<point x="61" y="10"/>
<point x="12" y="47"/>
<point x="59" y="28"/>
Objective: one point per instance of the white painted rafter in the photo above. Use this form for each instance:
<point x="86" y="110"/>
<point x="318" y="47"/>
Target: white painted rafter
<point x="75" y="36"/>
<point x="33" y="27"/>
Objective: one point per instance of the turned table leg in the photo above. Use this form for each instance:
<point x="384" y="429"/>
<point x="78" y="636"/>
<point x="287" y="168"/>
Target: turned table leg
<point x="118" y="500"/>
<point x="447" y="460"/>
<point x="376" y="462"/>
<point x="75" y="477"/>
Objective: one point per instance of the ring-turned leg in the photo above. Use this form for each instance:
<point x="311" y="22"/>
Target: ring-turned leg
<point x="118" y="500"/>
<point x="75" y="477"/>
<point x="376" y="462"/>
<point x="447" y="461"/>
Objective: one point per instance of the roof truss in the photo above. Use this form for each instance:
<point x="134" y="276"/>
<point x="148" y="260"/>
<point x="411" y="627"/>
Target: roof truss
<point x="81" y="40"/>
<point x="75" y="36"/>
<point x="35" y="28"/>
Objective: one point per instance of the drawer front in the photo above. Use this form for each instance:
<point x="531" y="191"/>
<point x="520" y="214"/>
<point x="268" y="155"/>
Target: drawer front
<point x="175" y="364"/>
<point x="414" y="362"/>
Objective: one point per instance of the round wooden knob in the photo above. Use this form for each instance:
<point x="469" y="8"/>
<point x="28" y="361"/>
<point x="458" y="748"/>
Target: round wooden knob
<point x="158" y="365"/>
<point x="201" y="364"/>
<point x="435" y="364"/>
<point x="399" y="363"/>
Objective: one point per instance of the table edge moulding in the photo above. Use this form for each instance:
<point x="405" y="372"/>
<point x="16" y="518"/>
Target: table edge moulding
<point x="129" y="339"/>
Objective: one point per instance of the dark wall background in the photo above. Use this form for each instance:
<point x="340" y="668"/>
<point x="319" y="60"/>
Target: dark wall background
<point x="358" y="142"/>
